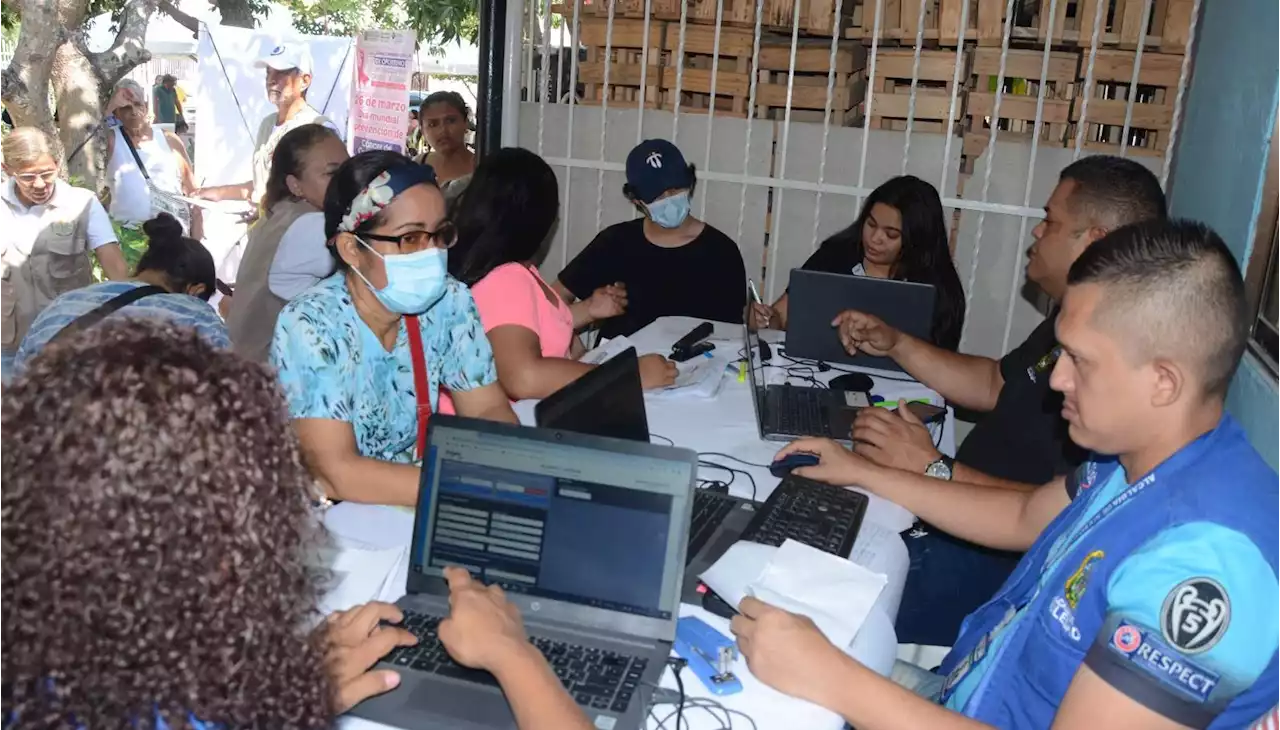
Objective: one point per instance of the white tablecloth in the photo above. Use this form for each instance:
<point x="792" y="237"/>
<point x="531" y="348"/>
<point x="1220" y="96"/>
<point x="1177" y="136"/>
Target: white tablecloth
<point x="369" y="554"/>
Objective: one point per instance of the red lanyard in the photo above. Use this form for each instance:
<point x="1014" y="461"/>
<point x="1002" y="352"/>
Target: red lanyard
<point x="421" y="387"/>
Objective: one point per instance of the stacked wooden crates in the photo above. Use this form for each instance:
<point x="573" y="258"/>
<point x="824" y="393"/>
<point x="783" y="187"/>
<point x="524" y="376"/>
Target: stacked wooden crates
<point x="1093" y="46"/>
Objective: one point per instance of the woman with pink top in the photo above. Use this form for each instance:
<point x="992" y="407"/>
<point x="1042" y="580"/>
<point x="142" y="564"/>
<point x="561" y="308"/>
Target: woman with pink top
<point x="503" y="218"/>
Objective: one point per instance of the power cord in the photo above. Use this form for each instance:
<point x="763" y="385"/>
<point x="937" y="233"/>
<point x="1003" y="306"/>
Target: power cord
<point x="717" y="485"/>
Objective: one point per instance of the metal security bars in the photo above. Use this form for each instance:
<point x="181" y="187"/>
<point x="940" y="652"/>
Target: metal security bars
<point x="796" y="110"/>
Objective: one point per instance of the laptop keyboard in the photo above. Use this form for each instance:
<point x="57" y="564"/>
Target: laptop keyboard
<point x="821" y="516"/>
<point x="798" y="411"/>
<point x="596" y="678"/>
<point x="709" y="510"/>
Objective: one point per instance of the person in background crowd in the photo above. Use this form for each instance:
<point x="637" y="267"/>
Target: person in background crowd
<point x="351" y="350"/>
<point x="670" y="263"/>
<point x="445" y="120"/>
<point x="1022" y="441"/>
<point x="180" y="269"/>
<point x="1148" y="596"/>
<point x="900" y="234"/>
<point x="164" y="99"/>
<point x="413" y="141"/>
<point x="49" y="226"/>
<point x="504" y="218"/>
<point x="179" y="590"/>
<point x="164" y="162"/>
<point x="288" y="68"/>
<point x="286" y="252"/>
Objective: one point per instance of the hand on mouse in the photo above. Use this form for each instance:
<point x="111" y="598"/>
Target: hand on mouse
<point x="895" y="439"/>
<point x="836" y="465"/>
<point x="657" y="371"/>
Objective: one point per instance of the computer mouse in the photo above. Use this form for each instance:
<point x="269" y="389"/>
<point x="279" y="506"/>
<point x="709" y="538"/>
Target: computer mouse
<point x="857" y="382"/>
<point x="782" y="467"/>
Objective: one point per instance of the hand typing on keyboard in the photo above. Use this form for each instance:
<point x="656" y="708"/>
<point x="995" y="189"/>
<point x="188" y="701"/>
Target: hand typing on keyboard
<point x="356" y="640"/>
<point x="483" y="627"/>
<point x="836" y="464"/>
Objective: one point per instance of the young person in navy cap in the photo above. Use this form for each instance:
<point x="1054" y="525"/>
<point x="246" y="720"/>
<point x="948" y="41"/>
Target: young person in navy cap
<point x="669" y="263"/>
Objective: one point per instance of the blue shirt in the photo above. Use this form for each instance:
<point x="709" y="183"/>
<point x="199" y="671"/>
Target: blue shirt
<point x="1165" y="588"/>
<point x="180" y="309"/>
<point x="333" y="367"/>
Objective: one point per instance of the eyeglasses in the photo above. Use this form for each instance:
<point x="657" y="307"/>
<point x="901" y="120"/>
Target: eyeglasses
<point x="444" y="236"/>
<point x="29" y="178"/>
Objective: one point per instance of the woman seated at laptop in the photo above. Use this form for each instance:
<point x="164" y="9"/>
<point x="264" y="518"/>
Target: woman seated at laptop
<point x="351" y="350"/>
<point x="900" y="234"/>
<point x="179" y="588"/>
<point x="671" y="263"/>
<point x="503" y="218"/>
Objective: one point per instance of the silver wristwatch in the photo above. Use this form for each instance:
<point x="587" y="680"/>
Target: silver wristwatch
<point x="941" y="469"/>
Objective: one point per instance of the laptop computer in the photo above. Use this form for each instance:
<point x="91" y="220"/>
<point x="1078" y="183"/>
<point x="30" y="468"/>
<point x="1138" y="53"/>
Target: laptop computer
<point x="607" y="401"/>
<point x="787" y="412"/>
<point x="586" y="535"/>
<point x="816" y="297"/>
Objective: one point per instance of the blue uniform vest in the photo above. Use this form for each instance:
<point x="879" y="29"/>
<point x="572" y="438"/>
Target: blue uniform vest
<point x="1218" y="478"/>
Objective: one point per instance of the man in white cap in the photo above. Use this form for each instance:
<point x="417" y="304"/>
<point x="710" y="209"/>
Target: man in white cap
<point x="288" y="68"/>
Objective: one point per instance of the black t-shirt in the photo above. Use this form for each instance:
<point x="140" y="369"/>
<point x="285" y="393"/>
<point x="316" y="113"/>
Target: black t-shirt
<point x="836" y="256"/>
<point x="704" y="278"/>
<point x="1024" y="438"/>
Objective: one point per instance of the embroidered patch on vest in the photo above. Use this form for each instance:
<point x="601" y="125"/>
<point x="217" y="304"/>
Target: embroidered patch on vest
<point x="1045" y="363"/>
<point x="1079" y="580"/>
<point x="1166" y="665"/>
<point x="1195" y="615"/>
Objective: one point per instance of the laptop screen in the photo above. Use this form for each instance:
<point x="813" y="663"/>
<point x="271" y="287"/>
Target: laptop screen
<point x="554" y="520"/>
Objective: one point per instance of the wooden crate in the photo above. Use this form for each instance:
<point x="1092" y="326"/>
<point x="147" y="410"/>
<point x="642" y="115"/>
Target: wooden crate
<point x="816" y="17"/>
<point x="1072" y="23"/>
<point x="1152" y="111"/>
<point x="1020" y="98"/>
<point x="624" y="57"/>
<point x="890" y="104"/>
<point x="732" y="75"/>
<point x="900" y="21"/>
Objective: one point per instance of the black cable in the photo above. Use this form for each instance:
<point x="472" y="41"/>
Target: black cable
<point x="732" y="472"/>
<point x="843" y="369"/>
<point x="677" y="665"/>
<point x="732" y="458"/>
<point x="664" y="438"/>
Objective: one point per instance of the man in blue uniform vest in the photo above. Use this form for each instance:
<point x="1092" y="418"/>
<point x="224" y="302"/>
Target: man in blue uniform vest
<point x="1148" y="597"/>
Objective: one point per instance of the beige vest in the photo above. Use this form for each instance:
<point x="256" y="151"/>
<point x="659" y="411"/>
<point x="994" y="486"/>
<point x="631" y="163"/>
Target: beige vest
<point x="58" y="263"/>
<point x="254" y="308"/>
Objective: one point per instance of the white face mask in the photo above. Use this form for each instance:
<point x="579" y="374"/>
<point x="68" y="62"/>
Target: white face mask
<point x="415" y="281"/>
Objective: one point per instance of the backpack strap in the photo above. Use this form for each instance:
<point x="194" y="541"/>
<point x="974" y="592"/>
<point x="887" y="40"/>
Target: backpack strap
<point x="102" y="311"/>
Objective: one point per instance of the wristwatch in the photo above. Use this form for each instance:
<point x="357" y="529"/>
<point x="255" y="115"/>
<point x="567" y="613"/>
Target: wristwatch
<point x="941" y="469"/>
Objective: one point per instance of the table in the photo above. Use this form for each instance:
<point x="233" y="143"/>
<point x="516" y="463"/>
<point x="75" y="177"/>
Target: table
<point x="369" y="554"/>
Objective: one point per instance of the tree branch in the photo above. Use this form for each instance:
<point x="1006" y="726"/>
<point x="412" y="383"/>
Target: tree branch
<point x="186" y="21"/>
<point x="129" y="49"/>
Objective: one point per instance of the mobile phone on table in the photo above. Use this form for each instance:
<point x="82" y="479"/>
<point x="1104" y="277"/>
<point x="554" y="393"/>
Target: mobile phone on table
<point x="927" y="412"/>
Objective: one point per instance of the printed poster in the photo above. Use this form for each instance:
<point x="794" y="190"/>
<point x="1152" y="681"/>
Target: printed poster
<point x="380" y="90"/>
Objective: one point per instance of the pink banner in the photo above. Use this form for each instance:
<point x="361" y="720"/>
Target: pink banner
<point x="380" y="90"/>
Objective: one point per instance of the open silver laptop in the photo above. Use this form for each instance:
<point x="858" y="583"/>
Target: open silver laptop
<point x="587" y="535"/>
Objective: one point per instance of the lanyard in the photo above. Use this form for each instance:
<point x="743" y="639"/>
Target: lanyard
<point x="1057" y="552"/>
<point x="421" y="386"/>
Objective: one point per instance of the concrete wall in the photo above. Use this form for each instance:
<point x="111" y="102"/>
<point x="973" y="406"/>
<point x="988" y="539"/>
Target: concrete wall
<point x="1221" y="163"/>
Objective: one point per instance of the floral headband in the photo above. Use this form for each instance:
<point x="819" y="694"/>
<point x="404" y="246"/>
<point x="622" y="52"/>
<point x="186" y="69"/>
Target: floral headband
<point x="383" y="189"/>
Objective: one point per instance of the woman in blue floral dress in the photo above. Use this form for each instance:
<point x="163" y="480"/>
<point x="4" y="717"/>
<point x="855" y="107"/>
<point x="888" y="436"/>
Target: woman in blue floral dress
<point x="346" y="348"/>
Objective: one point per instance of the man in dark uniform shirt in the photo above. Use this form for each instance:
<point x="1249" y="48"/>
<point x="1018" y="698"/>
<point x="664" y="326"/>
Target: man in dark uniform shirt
<point x="670" y="263"/>
<point x="1021" y="442"/>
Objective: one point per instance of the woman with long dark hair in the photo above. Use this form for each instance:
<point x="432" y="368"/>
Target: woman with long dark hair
<point x="503" y="218"/>
<point x="900" y="234"/>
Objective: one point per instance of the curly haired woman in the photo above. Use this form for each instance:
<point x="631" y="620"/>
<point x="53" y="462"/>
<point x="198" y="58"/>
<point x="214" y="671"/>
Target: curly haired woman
<point x="153" y="571"/>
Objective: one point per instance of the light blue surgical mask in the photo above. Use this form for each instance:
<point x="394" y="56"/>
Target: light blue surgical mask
<point x="670" y="212"/>
<point x="415" y="281"/>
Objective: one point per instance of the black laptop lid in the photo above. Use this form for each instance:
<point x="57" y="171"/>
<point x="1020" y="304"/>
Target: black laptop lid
<point x="608" y="401"/>
<point x="816" y="297"/>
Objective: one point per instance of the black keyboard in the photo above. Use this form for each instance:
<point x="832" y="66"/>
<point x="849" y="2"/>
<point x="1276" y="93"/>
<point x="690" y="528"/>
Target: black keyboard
<point x="816" y="514"/>
<point x="709" y="510"/>
<point x="798" y="411"/>
<point x="596" y="678"/>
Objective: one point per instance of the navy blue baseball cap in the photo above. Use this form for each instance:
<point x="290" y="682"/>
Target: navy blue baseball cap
<point x="654" y="167"/>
